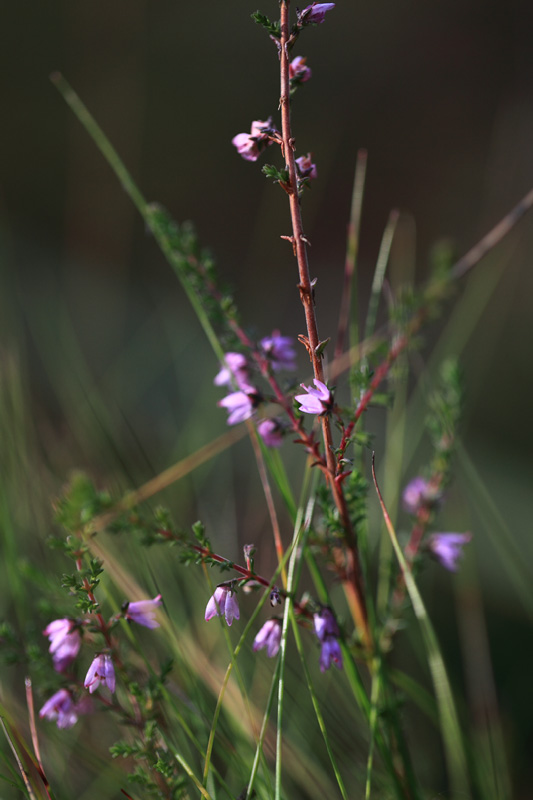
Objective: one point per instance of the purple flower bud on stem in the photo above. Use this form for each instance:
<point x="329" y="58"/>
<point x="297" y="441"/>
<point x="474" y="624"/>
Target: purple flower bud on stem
<point x="61" y="708"/>
<point x="306" y="167"/>
<point x="315" y="13"/>
<point x="271" y="432"/>
<point x="448" y="548"/>
<point x="269" y="637"/>
<point x="418" y="492"/>
<point x="100" y="671"/>
<point x="316" y="401"/>
<point x="298" y="71"/>
<point x="240" y="405"/>
<point x="327" y="631"/>
<point x="223" y="603"/>
<point x="235" y="369"/>
<point x="143" y="612"/>
<point x="250" y="145"/>
<point x="65" y="642"/>
<point x="280" y="351"/>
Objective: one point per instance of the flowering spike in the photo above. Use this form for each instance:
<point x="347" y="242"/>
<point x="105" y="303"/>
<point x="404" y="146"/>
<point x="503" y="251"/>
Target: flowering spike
<point x="65" y="642"/>
<point x="447" y="548"/>
<point x="269" y="637"/>
<point x="316" y="401"/>
<point x="100" y="671"/>
<point x="143" y="612"/>
<point x="223" y="603"/>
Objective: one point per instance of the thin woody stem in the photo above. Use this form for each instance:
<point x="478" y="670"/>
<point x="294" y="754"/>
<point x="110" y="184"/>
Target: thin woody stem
<point x="349" y="566"/>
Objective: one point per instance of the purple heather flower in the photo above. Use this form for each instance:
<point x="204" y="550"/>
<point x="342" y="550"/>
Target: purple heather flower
<point x="416" y="493"/>
<point x="240" y="405"/>
<point x="314" y="13"/>
<point x="250" y="145"/>
<point x="447" y="548"/>
<point x="61" y="708"/>
<point x="223" y="603"/>
<point x="330" y="651"/>
<point x="325" y="624"/>
<point x="316" y="401"/>
<point x="143" y="612"/>
<point x="280" y="351"/>
<point x="270" y="431"/>
<point x="306" y="167"/>
<point x="100" y="671"/>
<point x="235" y="370"/>
<point x="65" y="642"/>
<point x="327" y="631"/>
<point x="269" y="637"/>
<point x="298" y="72"/>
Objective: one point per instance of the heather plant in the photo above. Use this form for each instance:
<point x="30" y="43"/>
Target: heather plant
<point x="122" y="658"/>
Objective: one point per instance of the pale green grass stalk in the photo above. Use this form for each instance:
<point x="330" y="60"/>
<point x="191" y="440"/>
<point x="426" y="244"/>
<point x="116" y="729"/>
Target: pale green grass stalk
<point x="449" y="721"/>
<point x="263" y="731"/>
<point x="379" y="274"/>
<point x="349" y="297"/>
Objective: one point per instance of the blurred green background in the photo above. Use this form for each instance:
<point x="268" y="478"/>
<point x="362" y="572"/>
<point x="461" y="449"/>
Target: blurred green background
<point x="102" y="364"/>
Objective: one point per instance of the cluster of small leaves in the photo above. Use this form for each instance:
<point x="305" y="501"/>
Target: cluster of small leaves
<point x="148" y="748"/>
<point x="277" y="175"/>
<point x="445" y="405"/>
<point x="272" y="28"/>
<point x="153" y="528"/>
<point x="80" y="503"/>
<point x="10" y="647"/>
<point x="331" y="522"/>
<point x="196" y="269"/>
<point x="82" y="583"/>
<point x="356" y="495"/>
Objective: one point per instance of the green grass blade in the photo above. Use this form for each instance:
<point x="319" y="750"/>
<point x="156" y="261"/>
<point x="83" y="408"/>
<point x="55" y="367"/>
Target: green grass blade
<point x="136" y="196"/>
<point x="449" y="721"/>
<point x="379" y="273"/>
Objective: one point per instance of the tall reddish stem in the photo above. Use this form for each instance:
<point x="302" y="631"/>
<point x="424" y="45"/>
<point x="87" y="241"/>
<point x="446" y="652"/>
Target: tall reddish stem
<point x="348" y="563"/>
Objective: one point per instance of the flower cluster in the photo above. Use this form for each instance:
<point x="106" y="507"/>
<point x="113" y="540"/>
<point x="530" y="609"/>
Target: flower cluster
<point x="444" y="547"/>
<point x="65" y="643"/>
<point x="279" y="354"/>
